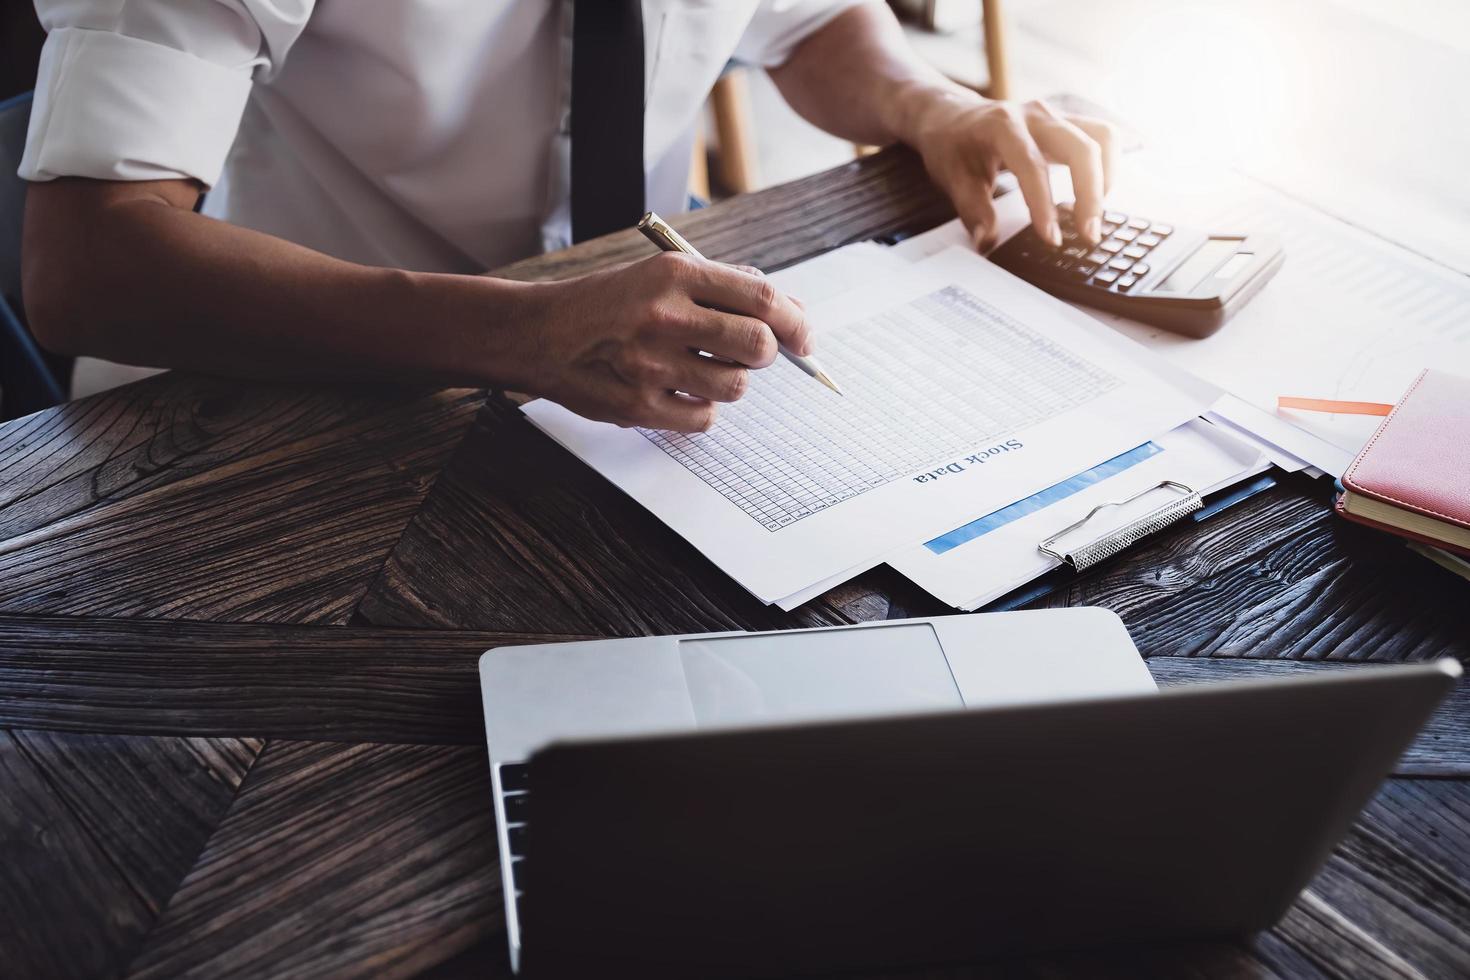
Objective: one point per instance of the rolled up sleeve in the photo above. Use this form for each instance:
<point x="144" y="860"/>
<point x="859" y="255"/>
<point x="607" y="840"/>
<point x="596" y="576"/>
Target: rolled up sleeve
<point x="149" y="90"/>
<point x="778" y="26"/>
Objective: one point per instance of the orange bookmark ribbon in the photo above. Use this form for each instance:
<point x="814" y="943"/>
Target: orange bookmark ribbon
<point x="1335" y="407"/>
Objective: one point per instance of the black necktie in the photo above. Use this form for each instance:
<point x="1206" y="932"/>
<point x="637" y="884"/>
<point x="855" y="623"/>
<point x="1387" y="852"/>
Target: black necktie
<point x="607" y="116"/>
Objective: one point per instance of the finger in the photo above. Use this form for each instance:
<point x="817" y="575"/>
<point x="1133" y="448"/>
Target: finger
<point x="712" y="380"/>
<point x="1022" y="157"/>
<point x="750" y="269"/>
<point x="1065" y="143"/>
<point x="1105" y="135"/>
<point x="741" y="339"/>
<point x="754" y="297"/>
<point x="976" y="206"/>
<point x="672" y="410"/>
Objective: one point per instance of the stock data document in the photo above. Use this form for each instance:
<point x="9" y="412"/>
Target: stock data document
<point x="965" y="390"/>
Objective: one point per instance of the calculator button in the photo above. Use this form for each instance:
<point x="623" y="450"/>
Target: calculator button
<point x="1121" y="264"/>
<point x="1112" y="246"/>
<point x="1127" y="282"/>
<point x="1105" y="229"/>
<point x="1139" y="223"/>
<point x="1149" y="240"/>
<point x="1099" y="257"/>
<point x="1074" y="251"/>
<point x="1105" y="277"/>
<point x="1125" y="234"/>
<point x="1135" y="251"/>
<point x="1141" y="269"/>
<point x="1061" y="264"/>
<point x="1163" y="231"/>
<point x="1083" y="269"/>
<point x="1114" y="217"/>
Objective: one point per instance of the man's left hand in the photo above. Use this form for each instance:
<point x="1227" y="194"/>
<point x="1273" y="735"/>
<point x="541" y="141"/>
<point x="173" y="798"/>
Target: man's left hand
<point x="966" y="141"/>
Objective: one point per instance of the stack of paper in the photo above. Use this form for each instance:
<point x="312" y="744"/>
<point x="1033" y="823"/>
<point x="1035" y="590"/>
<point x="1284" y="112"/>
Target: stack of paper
<point x="981" y="416"/>
<point x="1349" y="317"/>
<point x="966" y="390"/>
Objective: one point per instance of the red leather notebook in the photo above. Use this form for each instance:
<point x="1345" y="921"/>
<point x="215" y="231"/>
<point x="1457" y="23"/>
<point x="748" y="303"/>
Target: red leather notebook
<point x="1413" y="477"/>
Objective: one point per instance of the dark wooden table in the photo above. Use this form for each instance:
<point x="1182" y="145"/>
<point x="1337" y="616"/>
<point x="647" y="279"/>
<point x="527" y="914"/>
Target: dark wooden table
<point x="239" y="716"/>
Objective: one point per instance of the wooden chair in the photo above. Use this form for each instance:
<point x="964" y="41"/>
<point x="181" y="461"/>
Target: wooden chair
<point x="999" y="84"/>
<point x="738" y="167"/>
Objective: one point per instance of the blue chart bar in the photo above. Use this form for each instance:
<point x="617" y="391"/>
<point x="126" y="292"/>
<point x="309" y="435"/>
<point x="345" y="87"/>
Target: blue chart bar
<point x="1041" y="499"/>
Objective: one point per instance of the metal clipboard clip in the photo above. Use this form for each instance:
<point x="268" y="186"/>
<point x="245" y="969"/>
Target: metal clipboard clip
<point x="1136" y="530"/>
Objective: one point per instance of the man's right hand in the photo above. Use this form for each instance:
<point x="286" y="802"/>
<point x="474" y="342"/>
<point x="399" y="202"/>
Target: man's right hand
<point x="623" y="345"/>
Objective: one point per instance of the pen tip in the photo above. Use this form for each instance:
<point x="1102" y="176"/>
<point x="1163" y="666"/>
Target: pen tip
<point x="822" y="377"/>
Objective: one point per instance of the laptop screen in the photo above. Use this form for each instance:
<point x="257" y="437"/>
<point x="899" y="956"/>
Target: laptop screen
<point x="785" y="677"/>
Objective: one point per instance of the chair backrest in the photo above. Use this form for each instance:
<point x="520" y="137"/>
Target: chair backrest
<point x="27" y="382"/>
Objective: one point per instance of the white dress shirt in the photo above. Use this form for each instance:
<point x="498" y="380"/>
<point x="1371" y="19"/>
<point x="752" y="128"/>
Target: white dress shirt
<point x="421" y="134"/>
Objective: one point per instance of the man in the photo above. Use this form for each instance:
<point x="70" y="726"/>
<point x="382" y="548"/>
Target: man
<point x="365" y="160"/>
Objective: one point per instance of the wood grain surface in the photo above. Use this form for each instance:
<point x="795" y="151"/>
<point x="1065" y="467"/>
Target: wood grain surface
<point x="876" y="196"/>
<point x="96" y="832"/>
<point x="240" y="730"/>
<point x="348" y="683"/>
<point x="196" y="498"/>
<point x="339" y="860"/>
<point x="547" y="545"/>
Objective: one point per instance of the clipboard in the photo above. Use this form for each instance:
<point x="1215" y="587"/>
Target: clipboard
<point x="1211" y="505"/>
<point x="1175" y="507"/>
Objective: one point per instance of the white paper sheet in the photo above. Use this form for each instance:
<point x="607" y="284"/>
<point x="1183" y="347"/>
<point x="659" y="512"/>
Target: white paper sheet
<point x="1011" y="216"/>
<point x="833" y="273"/>
<point x="1348" y="316"/>
<point x="966" y="389"/>
<point x="968" y="575"/>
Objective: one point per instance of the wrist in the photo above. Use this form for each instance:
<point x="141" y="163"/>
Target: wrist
<point x="478" y="330"/>
<point x="922" y="108"/>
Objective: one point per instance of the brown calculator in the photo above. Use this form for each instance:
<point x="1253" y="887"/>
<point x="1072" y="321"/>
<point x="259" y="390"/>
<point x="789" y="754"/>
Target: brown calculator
<point x="1156" y="272"/>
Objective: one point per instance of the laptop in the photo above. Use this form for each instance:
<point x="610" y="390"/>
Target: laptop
<point x="913" y="792"/>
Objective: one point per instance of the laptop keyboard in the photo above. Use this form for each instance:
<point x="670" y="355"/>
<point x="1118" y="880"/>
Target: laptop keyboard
<point x="514" y="784"/>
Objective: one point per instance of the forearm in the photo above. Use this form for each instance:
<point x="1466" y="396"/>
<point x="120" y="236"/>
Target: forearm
<point x="136" y="278"/>
<point x="858" y="78"/>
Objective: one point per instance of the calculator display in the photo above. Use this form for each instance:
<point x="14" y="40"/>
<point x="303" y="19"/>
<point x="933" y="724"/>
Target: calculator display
<point x="1198" y="266"/>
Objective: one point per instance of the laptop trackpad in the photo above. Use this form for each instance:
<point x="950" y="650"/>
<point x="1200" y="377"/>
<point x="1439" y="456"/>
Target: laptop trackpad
<point x="778" y="677"/>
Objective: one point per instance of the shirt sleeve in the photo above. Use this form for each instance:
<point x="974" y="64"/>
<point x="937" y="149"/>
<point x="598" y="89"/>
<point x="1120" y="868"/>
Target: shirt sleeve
<point x="150" y="89"/>
<point x="778" y="26"/>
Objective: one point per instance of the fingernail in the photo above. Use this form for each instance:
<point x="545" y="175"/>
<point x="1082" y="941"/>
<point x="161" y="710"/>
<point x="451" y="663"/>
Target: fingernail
<point x="1094" y="229"/>
<point x="1054" y="234"/>
<point x="977" y="238"/>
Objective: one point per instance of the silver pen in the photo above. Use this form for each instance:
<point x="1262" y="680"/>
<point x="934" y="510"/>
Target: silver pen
<point x="658" y="231"/>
